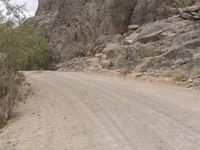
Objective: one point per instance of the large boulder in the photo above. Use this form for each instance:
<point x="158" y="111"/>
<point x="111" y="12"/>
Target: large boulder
<point x="191" y="13"/>
<point x="121" y="56"/>
<point x="168" y="44"/>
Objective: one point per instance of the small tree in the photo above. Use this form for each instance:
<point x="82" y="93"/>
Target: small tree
<point x="24" y="48"/>
<point x="21" y="48"/>
<point x="10" y="79"/>
<point x="11" y="83"/>
<point x="10" y="12"/>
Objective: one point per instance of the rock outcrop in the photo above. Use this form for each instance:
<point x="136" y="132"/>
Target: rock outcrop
<point x="172" y="43"/>
<point x="190" y="13"/>
<point x="194" y="82"/>
<point x="168" y="44"/>
<point x="74" y="27"/>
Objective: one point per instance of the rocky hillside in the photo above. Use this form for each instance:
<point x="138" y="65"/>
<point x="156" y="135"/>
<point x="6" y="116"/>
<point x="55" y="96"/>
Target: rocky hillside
<point x="142" y="36"/>
<point x="74" y="27"/>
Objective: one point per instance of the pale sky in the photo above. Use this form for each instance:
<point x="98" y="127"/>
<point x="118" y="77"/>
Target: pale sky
<point x="31" y="6"/>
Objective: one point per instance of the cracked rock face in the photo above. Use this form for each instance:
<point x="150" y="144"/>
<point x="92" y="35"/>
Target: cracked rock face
<point x="73" y="26"/>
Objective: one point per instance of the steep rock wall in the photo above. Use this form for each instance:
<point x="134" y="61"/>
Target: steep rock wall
<point x="73" y="26"/>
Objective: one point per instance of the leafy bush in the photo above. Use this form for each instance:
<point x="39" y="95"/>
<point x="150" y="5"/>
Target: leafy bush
<point x="11" y="91"/>
<point x="24" y="47"/>
<point x="21" y="48"/>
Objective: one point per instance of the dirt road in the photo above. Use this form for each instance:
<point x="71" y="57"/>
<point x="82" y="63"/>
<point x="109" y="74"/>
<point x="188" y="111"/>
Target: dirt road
<point x="77" y="111"/>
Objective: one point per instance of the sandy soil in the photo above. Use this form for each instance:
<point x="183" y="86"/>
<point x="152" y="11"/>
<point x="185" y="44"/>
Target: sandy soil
<point x="77" y="111"/>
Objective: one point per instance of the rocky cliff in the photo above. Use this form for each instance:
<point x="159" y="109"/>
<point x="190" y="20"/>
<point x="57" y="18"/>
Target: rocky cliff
<point x="146" y="36"/>
<point x="76" y="27"/>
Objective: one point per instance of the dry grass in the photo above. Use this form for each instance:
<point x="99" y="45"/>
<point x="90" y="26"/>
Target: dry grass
<point x="12" y="91"/>
<point x="176" y="75"/>
<point x="195" y="72"/>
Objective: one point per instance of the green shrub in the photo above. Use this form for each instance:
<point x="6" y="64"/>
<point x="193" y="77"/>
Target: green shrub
<point x="21" y="48"/>
<point x="24" y="47"/>
<point x="11" y="91"/>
